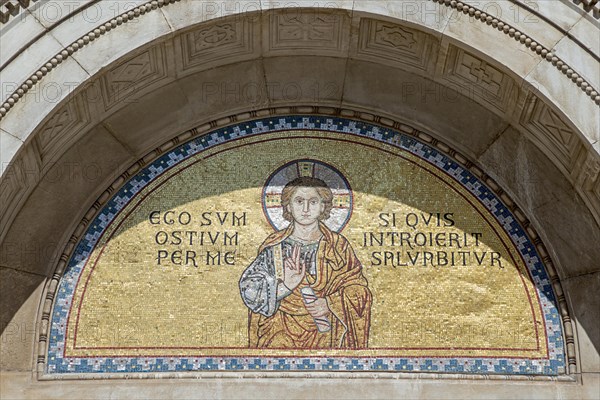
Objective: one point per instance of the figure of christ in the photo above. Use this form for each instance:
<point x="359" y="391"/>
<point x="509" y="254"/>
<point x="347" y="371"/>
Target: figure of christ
<point x="305" y="289"/>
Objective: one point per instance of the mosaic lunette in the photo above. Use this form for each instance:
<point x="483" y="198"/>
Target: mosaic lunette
<point x="371" y="198"/>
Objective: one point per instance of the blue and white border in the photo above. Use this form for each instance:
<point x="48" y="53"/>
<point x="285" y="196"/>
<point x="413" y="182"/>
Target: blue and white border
<point x="56" y="364"/>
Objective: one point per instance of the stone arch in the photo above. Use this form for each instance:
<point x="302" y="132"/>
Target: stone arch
<point x="51" y="139"/>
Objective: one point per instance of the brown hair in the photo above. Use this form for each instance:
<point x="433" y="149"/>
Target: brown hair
<point x="321" y="187"/>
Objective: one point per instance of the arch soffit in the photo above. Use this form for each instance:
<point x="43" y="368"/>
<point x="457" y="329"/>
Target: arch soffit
<point x="514" y="99"/>
<point x="501" y="40"/>
<point x="73" y="33"/>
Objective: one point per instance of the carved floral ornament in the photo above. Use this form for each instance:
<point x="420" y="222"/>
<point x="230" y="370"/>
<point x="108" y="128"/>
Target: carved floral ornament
<point x="396" y="38"/>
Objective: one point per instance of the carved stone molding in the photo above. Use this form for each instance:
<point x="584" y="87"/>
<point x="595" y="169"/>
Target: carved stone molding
<point x="551" y="133"/>
<point x="203" y="47"/>
<point x="12" y="7"/>
<point x="478" y="77"/>
<point x="133" y="74"/>
<point x="527" y="41"/>
<point x="324" y="32"/>
<point x="588" y="182"/>
<point x="589" y="6"/>
<point x="300" y="31"/>
<point x="63" y="129"/>
<point x="397" y="44"/>
<point x="20" y="177"/>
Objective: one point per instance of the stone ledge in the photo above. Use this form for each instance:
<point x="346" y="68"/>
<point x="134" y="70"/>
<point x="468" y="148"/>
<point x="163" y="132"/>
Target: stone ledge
<point x="22" y="385"/>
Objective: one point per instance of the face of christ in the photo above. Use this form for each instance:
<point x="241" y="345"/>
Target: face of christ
<point x="306" y="201"/>
<point x="306" y="206"/>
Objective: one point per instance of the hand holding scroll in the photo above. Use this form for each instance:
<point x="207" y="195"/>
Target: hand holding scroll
<point x="318" y="308"/>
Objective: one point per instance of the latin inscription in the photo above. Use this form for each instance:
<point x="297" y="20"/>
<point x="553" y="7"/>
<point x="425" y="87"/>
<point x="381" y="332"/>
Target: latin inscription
<point x="405" y="242"/>
<point x="199" y="233"/>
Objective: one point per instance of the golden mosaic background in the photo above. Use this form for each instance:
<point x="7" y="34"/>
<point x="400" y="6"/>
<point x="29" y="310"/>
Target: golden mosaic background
<point x="126" y="304"/>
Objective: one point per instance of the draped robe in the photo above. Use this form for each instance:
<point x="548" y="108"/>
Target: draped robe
<point x="285" y="322"/>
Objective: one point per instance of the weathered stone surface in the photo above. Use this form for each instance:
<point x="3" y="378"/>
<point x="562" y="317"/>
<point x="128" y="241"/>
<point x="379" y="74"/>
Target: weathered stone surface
<point x="548" y="199"/>
<point x="20" y="294"/>
<point x="21" y="385"/>
<point x="304" y="80"/>
<point x="38" y="236"/>
<point x="49" y="94"/>
<point x="426" y="104"/>
<point x="582" y="293"/>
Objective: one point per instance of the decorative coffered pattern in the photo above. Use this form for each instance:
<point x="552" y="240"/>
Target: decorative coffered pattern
<point x="551" y="133"/>
<point x="19" y="178"/>
<point x="63" y="129"/>
<point x="217" y="42"/>
<point x="312" y="25"/>
<point x="12" y="7"/>
<point x="475" y="76"/>
<point x="397" y="44"/>
<point x="298" y="31"/>
<point x="589" y="6"/>
<point x="588" y="180"/>
<point x="134" y="74"/>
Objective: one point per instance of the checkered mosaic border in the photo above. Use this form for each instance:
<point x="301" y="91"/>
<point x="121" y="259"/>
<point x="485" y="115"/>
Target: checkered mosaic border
<point x="58" y="364"/>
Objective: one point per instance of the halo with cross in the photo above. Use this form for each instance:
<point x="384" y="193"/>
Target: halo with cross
<point x="342" y="193"/>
